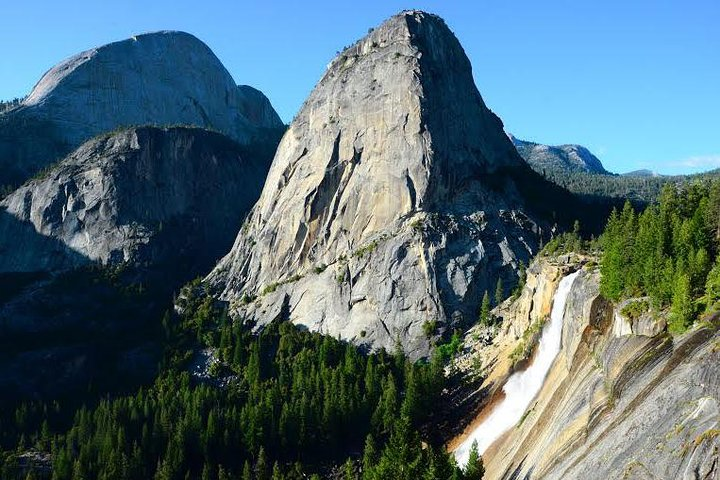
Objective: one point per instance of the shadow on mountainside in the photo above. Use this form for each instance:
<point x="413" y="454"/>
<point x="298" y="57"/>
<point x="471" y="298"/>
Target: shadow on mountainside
<point x="25" y="250"/>
<point x="27" y="145"/>
<point x="89" y="331"/>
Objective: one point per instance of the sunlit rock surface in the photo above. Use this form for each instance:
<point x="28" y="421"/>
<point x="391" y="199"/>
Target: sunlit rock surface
<point x="162" y="78"/>
<point x="140" y="196"/>
<point x="392" y="200"/>
<point x="614" y="405"/>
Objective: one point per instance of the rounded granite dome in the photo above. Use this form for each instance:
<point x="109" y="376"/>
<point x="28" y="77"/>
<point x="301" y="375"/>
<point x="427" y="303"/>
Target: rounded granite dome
<point x="156" y="78"/>
<point x="161" y="78"/>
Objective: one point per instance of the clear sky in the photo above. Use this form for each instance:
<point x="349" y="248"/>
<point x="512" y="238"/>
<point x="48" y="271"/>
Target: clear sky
<point x="637" y="82"/>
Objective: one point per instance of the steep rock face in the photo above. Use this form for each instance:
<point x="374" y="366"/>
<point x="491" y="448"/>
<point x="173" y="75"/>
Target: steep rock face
<point x="256" y="107"/>
<point x="615" y="404"/>
<point x="163" y="78"/>
<point x="391" y="201"/>
<point x="563" y="158"/>
<point x="142" y="196"/>
<point x="487" y="361"/>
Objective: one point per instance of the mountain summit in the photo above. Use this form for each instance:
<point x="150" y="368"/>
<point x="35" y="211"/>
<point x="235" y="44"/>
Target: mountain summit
<point x="162" y="78"/>
<point x="392" y="203"/>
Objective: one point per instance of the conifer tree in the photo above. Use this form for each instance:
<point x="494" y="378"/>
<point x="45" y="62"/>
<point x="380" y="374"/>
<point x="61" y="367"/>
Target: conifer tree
<point x="349" y="470"/>
<point x="474" y="470"/>
<point x="681" y="312"/>
<point x="261" y="466"/>
<point x="370" y="456"/>
<point x="485" y="310"/>
<point x="499" y="292"/>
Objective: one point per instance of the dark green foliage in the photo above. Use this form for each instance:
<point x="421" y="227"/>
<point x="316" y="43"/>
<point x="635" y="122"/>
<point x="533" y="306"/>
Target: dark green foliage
<point x="404" y="458"/>
<point x="429" y="328"/>
<point x="474" y="470"/>
<point x="666" y="252"/>
<point x="712" y="285"/>
<point x="499" y="292"/>
<point x="485" y="315"/>
<point x="682" y="310"/>
<point x="642" y="189"/>
<point x="522" y="278"/>
<point x="444" y="352"/>
<point x="568" y="242"/>
<point x="292" y="401"/>
<point x="635" y="310"/>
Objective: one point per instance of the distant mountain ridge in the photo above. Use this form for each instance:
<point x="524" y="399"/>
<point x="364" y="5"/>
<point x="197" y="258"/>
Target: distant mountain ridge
<point x="577" y="169"/>
<point x="643" y="172"/>
<point x="569" y="157"/>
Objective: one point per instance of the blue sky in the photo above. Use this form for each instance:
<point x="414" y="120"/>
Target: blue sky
<point x="637" y="82"/>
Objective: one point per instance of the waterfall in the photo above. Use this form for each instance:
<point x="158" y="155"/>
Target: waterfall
<point x="521" y="387"/>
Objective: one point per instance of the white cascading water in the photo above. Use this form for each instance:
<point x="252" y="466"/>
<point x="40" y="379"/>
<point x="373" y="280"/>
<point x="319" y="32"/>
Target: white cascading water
<point x="521" y="387"/>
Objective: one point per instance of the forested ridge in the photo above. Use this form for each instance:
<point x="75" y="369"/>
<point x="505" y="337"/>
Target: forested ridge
<point x="602" y="186"/>
<point x="667" y="253"/>
<point x="284" y="403"/>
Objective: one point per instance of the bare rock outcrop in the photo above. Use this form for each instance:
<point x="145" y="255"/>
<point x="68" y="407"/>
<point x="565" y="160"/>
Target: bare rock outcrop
<point x="162" y="78"/>
<point x="568" y="158"/>
<point x="617" y="404"/>
<point x="395" y="198"/>
<point x="173" y="196"/>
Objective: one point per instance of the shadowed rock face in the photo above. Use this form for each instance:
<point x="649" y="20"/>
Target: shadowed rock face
<point x="163" y="78"/>
<point x="391" y="201"/>
<point x="145" y="195"/>
<point x="156" y="207"/>
<point x="257" y="108"/>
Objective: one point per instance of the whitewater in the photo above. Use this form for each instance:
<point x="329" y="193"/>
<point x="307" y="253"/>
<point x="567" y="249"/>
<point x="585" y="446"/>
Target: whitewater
<point x="522" y="387"/>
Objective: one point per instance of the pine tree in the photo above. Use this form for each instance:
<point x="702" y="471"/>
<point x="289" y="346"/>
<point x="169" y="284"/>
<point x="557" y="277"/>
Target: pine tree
<point x="712" y="284"/>
<point x="206" y="472"/>
<point x="474" y="470"/>
<point x="611" y="267"/>
<point x="499" y="292"/>
<point x="485" y="310"/>
<point x="276" y="473"/>
<point x="78" y="471"/>
<point x="246" y="473"/>
<point x="712" y="213"/>
<point x="682" y="310"/>
<point x="440" y="465"/>
<point x="349" y="470"/>
<point x="370" y="456"/>
<point x="402" y="457"/>
<point x="411" y="402"/>
<point x="261" y="466"/>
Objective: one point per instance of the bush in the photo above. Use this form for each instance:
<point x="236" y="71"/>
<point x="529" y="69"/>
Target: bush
<point x="634" y="310"/>
<point x="525" y="346"/>
<point x="429" y="328"/>
<point x="446" y="351"/>
<point x="365" y="250"/>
